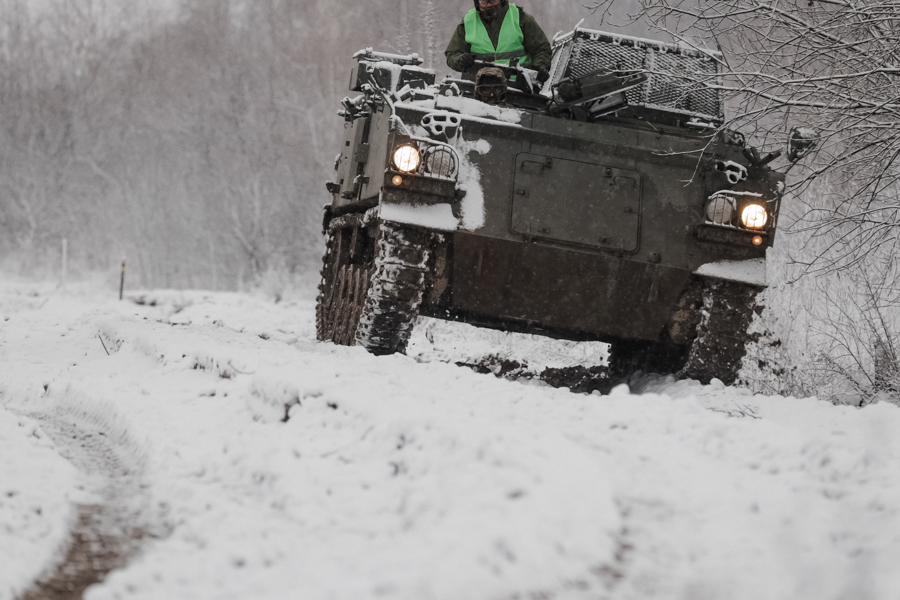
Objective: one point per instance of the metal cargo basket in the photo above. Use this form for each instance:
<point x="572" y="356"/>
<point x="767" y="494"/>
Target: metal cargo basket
<point x="679" y="78"/>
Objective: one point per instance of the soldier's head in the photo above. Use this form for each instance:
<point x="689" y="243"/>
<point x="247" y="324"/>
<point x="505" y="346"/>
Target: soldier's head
<point x="488" y="9"/>
<point x="490" y="86"/>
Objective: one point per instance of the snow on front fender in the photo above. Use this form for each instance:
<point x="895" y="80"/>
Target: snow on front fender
<point x="752" y="271"/>
<point x="470" y="214"/>
<point x="433" y="216"/>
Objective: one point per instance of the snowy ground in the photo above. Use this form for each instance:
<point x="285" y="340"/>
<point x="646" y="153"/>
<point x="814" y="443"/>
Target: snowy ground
<point x="272" y="466"/>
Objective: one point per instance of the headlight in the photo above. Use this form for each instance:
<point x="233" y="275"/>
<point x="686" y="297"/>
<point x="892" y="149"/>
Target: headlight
<point x="406" y="158"/>
<point x="440" y="161"/>
<point x="720" y="209"/>
<point x="755" y="216"/>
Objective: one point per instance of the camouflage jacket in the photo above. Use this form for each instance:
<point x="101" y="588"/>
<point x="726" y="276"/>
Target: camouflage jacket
<point x="536" y="44"/>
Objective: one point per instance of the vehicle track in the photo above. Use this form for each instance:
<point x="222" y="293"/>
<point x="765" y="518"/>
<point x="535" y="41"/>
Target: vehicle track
<point x="108" y="531"/>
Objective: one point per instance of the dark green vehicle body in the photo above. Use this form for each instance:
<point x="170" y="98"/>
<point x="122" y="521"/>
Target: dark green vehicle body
<point x="594" y="226"/>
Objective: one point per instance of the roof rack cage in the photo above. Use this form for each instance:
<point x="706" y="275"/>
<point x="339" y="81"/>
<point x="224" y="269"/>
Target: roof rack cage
<point x="680" y="78"/>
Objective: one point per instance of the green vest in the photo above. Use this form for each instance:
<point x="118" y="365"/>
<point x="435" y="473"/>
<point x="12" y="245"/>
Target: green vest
<point x="510" y="44"/>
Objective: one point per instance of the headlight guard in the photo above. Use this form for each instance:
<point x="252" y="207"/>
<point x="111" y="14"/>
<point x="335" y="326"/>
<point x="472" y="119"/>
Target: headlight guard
<point x="425" y="158"/>
<point x="740" y="210"/>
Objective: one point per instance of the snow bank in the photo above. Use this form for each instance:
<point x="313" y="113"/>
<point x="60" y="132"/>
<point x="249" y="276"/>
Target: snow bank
<point x="413" y="486"/>
<point x="815" y="499"/>
<point x="37" y="487"/>
<point x="282" y="467"/>
<point x="445" y="341"/>
<point x="401" y="480"/>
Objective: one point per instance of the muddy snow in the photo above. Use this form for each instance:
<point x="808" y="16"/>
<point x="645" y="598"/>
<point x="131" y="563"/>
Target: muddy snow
<point x="254" y="462"/>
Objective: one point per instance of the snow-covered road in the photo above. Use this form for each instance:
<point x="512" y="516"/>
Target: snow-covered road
<point x="272" y="466"/>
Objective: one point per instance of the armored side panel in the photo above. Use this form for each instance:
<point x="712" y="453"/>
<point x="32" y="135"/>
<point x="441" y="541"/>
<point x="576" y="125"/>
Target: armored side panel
<point x="544" y="287"/>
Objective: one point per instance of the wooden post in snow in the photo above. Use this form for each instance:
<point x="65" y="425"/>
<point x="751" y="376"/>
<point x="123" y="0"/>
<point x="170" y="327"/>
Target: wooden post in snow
<point x="122" y="282"/>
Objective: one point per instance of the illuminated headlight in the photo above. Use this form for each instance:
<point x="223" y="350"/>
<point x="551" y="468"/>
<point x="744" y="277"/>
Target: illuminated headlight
<point x="406" y="158"/>
<point x="754" y="216"/>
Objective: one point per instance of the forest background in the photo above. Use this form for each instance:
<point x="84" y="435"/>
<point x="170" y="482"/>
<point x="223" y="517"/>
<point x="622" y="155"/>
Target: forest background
<point x="192" y="138"/>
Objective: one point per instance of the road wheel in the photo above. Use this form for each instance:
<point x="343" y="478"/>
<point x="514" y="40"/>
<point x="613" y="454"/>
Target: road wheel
<point x="350" y="294"/>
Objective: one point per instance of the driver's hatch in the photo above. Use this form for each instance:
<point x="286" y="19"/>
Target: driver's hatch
<point x="576" y="202"/>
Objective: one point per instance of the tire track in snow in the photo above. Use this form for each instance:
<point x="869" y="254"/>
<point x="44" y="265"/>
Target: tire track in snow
<point x="107" y="532"/>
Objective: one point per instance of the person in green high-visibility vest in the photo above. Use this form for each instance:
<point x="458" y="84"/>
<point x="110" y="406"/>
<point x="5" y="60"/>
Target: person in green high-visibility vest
<point x="500" y="32"/>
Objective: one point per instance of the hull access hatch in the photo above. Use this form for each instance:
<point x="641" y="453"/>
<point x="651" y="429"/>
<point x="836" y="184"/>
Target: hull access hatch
<point x="576" y="203"/>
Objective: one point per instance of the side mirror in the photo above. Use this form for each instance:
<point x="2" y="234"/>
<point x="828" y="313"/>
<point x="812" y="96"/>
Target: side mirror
<point x="801" y="141"/>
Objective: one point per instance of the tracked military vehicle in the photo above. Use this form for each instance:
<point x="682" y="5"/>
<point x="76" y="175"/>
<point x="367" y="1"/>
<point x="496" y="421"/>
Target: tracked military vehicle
<point x="609" y="204"/>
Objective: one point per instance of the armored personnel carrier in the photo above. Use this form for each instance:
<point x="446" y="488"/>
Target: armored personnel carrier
<point x="611" y="204"/>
